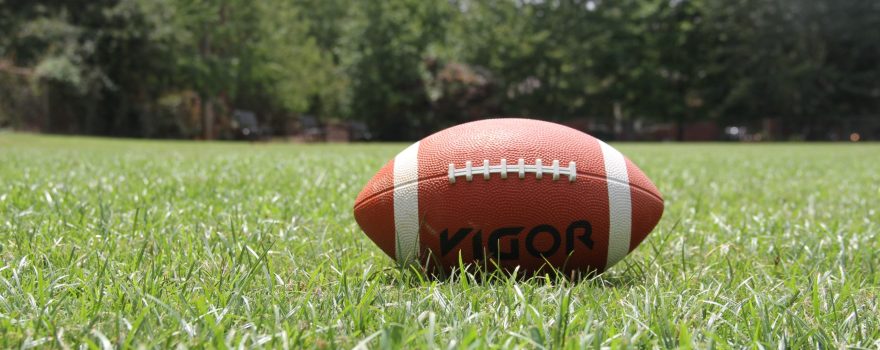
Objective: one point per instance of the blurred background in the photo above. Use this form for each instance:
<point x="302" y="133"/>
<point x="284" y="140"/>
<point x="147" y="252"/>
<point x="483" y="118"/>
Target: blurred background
<point x="333" y="70"/>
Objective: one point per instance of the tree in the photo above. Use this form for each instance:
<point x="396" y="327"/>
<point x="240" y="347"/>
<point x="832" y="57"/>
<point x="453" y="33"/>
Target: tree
<point x="408" y="67"/>
<point x="388" y="69"/>
<point x="79" y="53"/>
<point x="248" y="55"/>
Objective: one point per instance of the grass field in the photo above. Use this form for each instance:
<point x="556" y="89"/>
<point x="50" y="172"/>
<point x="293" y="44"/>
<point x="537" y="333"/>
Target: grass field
<point x="125" y="243"/>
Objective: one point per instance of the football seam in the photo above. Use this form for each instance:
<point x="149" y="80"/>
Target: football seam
<point x="408" y="183"/>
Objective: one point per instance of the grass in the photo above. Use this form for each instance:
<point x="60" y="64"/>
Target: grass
<point x="108" y="243"/>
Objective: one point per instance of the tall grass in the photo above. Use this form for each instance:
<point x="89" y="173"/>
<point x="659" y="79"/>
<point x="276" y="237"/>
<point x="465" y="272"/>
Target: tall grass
<point x="110" y="243"/>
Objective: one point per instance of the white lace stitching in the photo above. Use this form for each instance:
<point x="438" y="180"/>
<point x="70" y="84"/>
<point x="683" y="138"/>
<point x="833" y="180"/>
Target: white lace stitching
<point x="520" y="168"/>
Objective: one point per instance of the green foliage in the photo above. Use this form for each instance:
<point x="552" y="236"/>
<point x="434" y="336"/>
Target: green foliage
<point x="109" y="243"/>
<point x="800" y="60"/>
<point x="291" y="61"/>
<point x="249" y="53"/>
<point x="408" y="67"/>
<point x="388" y="87"/>
<point x="108" y="64"/>
<point x="63" y="54"/>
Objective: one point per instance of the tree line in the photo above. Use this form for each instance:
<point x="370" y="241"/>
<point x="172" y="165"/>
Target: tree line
<point x="179" y="68"/>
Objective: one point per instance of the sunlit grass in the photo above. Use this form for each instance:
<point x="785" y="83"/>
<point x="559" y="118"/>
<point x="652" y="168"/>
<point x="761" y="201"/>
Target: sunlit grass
<point x="126" y="243"/>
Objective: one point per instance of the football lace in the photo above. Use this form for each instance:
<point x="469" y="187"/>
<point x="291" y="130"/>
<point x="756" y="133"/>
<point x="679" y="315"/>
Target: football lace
<point x="520" y="169"/>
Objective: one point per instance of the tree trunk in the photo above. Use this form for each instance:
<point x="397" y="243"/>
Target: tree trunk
<point x="679" y="127"/>
<point x="618" y="127"/>
<point x="208" y="121"/>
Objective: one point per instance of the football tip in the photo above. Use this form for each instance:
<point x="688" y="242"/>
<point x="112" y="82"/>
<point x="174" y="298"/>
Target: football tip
<point x="374" y="209"/>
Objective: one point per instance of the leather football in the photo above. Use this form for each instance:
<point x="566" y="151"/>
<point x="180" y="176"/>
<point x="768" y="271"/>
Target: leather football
<point x="509" y="193"/>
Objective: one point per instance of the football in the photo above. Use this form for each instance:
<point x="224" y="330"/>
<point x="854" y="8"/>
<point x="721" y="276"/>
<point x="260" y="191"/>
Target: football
<point x="509" y="193"/>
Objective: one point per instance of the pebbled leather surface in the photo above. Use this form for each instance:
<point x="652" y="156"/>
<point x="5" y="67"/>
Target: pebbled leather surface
<point x="483" y="206"/>
<point x="374" y="209"/>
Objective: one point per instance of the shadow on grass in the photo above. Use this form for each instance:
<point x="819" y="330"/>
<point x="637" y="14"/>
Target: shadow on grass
<point x="415" y="276"/>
